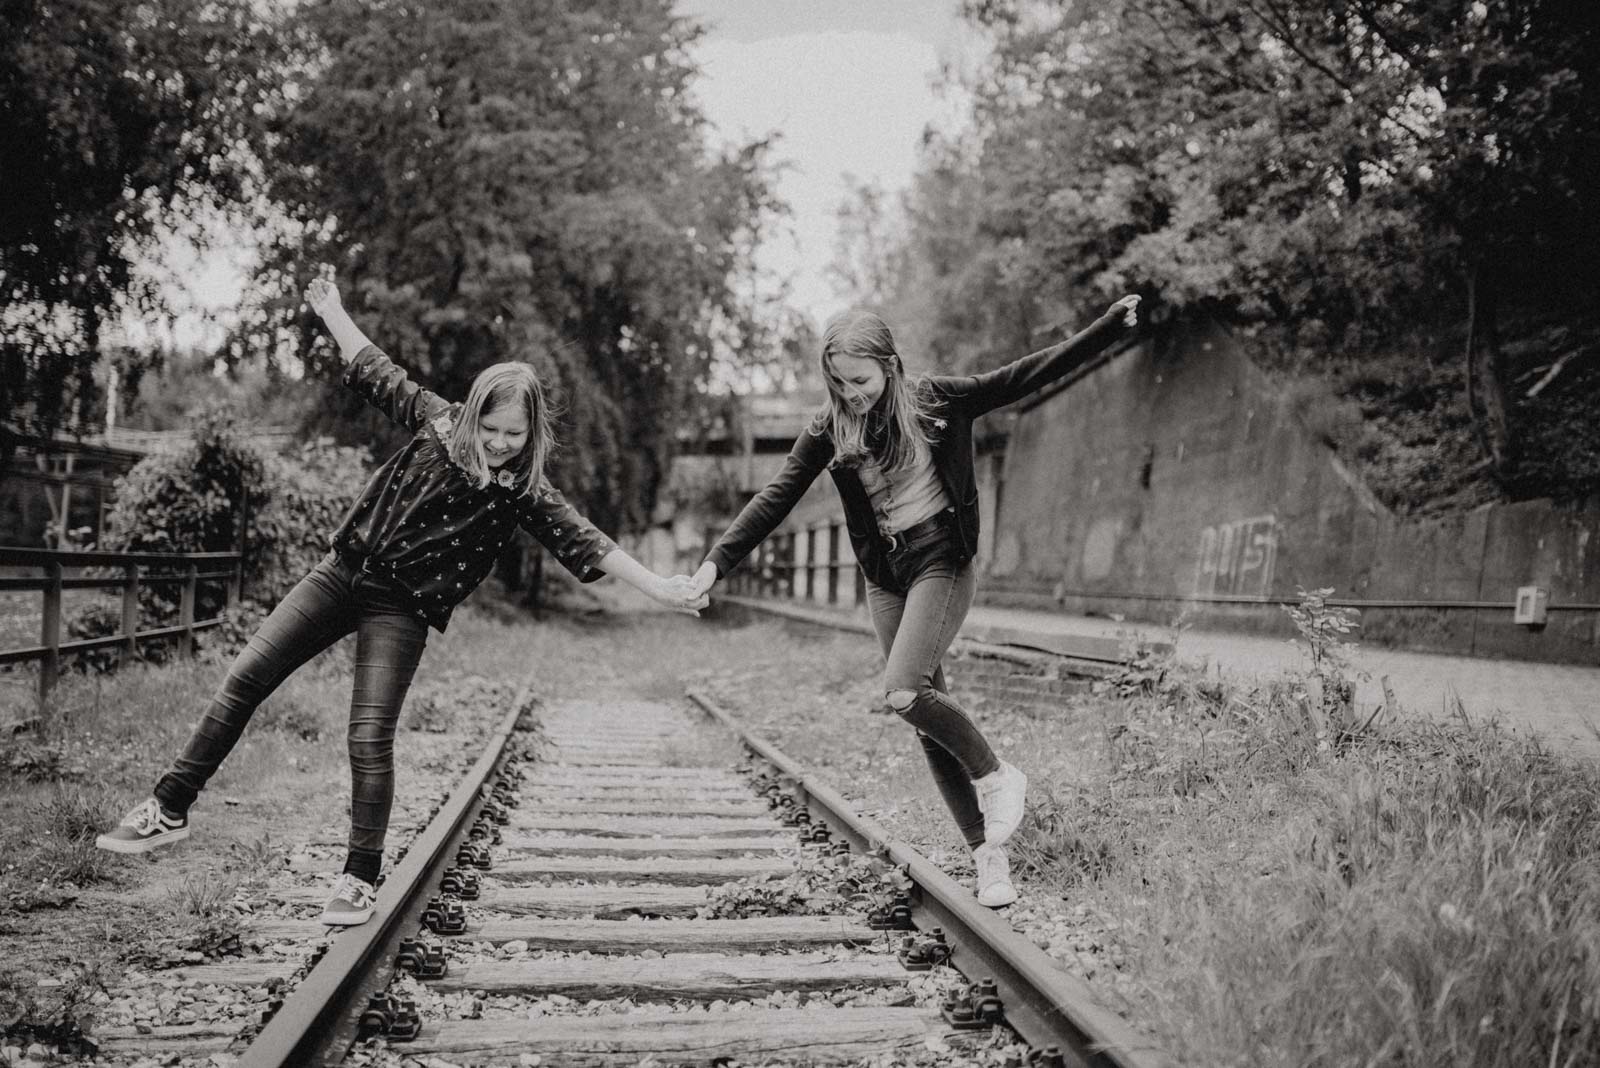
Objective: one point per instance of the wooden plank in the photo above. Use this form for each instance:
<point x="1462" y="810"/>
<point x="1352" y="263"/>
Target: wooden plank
<point x="601" y="902"/>
<point x="646" y="826"/>
<point x="699" y="977"/>
<point x="814" y="1036"/>
<point x="561" y="902"/>
<point x="584" y="845"/>
<point x="751" y="935"/>
<point x="532" y="793"/>
<point x="613" y="775"/>
<point x="163" y="1040"/>
<point x="241" y="973"/>
<point x="675" y="871"/>
<point x="651" y="807"/>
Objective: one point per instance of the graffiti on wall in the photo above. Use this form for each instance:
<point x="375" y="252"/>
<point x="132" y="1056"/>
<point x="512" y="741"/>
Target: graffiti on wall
<point x="1237" y="557"/>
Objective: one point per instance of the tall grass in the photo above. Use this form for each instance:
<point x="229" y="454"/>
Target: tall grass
<point x="1295" y="889"/>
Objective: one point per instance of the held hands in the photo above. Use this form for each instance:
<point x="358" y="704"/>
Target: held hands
<point x="1130" y="309"/>
<point x="705" y="577"/>
<point x="680" y="594"/>
<point x="323" y="297"/>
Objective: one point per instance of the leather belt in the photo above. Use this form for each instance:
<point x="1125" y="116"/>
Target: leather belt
<point x="927" y="531"/>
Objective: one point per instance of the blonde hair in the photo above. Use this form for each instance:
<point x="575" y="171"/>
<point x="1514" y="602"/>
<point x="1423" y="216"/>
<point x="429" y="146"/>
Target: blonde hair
<point x="499" y="386"/>
<point x="907" y="414"/>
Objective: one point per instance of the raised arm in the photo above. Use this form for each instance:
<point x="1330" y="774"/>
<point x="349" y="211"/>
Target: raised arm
<point x="761" y="516"/>
<point x="997" y="388"/>
<point x="367" y="370"/>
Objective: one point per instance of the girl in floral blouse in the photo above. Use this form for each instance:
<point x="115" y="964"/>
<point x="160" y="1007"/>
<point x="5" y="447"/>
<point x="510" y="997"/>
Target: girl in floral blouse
<point x="425" y="531"/>
<point x="899" y="450"/>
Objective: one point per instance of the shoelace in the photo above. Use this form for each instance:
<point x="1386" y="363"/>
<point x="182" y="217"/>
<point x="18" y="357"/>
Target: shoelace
<point x="147" y="817"/>
<point x="351" y="889"/>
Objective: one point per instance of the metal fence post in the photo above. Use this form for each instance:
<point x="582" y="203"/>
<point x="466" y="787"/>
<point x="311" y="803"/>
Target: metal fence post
<point x="50" y="632"/>
<point x="186" y="613"/>
<point x="130" y="615"/>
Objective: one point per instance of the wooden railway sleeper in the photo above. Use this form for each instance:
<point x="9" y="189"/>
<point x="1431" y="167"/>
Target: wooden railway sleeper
<point x="977" y="1008"/>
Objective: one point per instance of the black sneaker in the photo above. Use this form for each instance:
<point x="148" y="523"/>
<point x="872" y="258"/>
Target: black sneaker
<point x="147" y="827"/>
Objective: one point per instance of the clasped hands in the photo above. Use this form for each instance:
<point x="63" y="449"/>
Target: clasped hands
<point x="688" y="593"/>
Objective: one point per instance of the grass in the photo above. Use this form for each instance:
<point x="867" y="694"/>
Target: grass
<point x="1267" y="875"/>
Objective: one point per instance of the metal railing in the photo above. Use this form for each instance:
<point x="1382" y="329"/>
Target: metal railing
<point x="773" y="570"/>
<point x="184" y="570"/>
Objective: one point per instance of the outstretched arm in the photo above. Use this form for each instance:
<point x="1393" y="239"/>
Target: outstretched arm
<point x="763" y="513"/>
<point x="323" y="297"/>
<point x="997" y="388"/>
<point x="677" y="593"/>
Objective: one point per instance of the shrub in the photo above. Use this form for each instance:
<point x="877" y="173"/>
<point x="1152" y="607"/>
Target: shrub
<point x="189" y="500"/>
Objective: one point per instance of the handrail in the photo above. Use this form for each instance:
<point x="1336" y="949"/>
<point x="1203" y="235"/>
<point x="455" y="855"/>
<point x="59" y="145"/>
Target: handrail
<point x="23" y="556"/>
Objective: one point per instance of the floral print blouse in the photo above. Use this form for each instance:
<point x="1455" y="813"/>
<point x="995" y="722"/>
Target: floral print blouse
<point x="424" y="525"/>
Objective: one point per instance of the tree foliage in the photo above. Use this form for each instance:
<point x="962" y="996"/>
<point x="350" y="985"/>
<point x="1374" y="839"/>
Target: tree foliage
<point x="1347" y="178"/>
<point x="523" y="180"/>
<point x="116" y="119"/>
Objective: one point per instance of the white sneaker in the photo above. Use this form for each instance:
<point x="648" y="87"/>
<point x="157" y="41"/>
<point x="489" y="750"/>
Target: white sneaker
<point x="1000" y="799"/>
<point x="351" y="902"/>
<point x="143" y="829"/>
<point x="994" y="876"/>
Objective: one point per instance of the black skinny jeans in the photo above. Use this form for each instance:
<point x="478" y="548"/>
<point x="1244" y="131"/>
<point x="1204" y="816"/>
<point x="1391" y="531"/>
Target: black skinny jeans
<point x="333" y="600"/>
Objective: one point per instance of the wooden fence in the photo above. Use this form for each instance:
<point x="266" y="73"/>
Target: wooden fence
<point x="812" y="565"/>
<point x="185" y="570"/>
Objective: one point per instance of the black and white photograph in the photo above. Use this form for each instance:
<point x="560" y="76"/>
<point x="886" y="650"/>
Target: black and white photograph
<point x="781" y="533"/>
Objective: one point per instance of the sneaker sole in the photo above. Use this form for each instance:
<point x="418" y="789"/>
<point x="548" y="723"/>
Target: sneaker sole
<point x="345" y="919"/>
<point x="1009" y="897"/>
<point x="140" y="845"/>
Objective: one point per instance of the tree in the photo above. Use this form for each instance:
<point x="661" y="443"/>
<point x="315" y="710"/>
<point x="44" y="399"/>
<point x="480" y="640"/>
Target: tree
<point x="1352" y="176"/>
<point x="116" y="118"/>
<point x="520" y="180"/>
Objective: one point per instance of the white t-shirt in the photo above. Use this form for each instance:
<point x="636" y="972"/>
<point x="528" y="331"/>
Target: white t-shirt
<point x="905" y="497"/>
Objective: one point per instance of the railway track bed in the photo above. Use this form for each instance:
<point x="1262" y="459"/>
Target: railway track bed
<point x="586" y="897"/>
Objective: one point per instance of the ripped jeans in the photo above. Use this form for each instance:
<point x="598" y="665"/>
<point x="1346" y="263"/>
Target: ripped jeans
<point x="915" y="629"/>
<point x="330" y="602"/>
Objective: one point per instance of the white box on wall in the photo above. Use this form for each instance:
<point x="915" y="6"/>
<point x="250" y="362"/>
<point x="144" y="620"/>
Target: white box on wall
<point x="1533" y="604"/>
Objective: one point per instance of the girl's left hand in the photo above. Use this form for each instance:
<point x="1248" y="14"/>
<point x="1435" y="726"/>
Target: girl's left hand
<point x="1130" y="309"/>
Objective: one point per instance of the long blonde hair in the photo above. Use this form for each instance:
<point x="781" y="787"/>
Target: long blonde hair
<point x="906" y="413"/>
<point x="499" y="386"/>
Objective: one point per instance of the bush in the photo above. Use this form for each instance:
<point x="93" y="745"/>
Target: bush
<point x="189" y="500"/>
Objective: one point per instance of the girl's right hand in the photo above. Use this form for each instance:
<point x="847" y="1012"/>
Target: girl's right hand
<point x="323" y="296"/>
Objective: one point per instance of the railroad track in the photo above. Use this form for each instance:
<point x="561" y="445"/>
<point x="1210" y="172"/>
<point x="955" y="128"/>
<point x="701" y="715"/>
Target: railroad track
<point x="554" y="912"/>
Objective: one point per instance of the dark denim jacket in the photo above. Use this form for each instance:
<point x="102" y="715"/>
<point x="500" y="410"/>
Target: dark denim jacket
<point x="958" y="400"/>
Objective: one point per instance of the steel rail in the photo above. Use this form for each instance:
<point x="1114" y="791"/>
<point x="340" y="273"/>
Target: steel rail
<point x="1043" y="1004"/>
<point x="317" y="1023"/>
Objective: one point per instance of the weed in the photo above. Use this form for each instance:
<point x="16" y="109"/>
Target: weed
<point x="205" y="896"/>
<point x="258" y="857"/>
<point x="59" y="1016"/>
<point x="1051" y="843"/>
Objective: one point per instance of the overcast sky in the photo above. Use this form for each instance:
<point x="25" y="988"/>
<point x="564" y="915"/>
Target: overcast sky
<point x="848" y="85"/>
